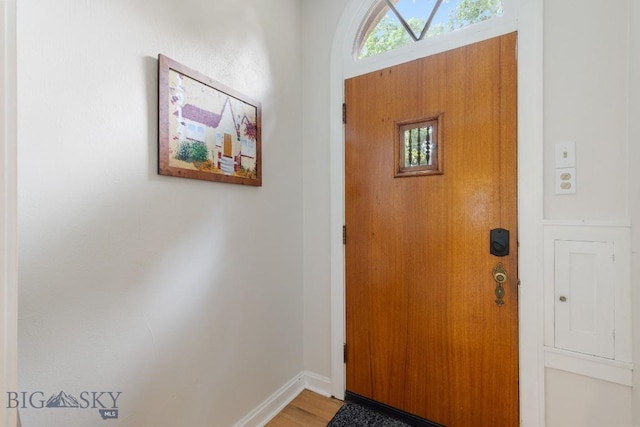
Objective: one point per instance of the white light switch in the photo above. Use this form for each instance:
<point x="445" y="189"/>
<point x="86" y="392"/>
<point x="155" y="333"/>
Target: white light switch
<point x="566" y="154"/>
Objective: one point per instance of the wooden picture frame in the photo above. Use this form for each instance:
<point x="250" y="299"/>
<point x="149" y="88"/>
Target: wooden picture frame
<point x="207" y="130"/>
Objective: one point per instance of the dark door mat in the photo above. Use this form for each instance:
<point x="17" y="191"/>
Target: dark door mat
<point x="353" y="415"/>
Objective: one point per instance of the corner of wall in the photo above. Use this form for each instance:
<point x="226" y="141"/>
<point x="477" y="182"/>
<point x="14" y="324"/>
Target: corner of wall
<point x="8" y="209"/>
<point x="634" y="196"/>
<point x="275" y="403"/>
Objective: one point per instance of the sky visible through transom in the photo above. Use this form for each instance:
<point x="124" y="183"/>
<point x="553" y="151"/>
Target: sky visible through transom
<point x="422" y="9"/>
<point x="387" y="31"/>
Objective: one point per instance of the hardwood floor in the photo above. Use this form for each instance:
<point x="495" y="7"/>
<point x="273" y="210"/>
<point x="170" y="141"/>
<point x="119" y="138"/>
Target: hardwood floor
<point x="309" y="409"/>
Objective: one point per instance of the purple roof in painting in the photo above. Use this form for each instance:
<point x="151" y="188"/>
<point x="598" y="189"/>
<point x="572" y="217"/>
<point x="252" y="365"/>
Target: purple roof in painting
<point x="199" y="115"/>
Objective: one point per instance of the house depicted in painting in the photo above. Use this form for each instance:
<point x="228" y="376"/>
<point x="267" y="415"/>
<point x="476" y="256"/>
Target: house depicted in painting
<point x="213" y="132"/>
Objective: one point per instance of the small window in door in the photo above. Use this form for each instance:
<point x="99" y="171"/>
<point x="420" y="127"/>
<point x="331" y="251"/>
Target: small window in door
<point x="417" y="148"/>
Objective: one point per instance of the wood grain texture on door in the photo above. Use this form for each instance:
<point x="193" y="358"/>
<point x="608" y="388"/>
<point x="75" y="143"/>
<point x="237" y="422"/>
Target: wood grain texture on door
<point x="424" y="333"/>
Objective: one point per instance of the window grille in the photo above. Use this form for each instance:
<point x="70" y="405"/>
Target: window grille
<point x="394" y="23"/>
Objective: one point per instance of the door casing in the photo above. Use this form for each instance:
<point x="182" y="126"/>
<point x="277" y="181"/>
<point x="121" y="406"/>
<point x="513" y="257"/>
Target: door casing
<point x="528" y="23"/>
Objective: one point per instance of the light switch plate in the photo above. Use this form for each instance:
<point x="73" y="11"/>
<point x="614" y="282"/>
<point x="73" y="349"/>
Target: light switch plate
<point x="566" y="154"/>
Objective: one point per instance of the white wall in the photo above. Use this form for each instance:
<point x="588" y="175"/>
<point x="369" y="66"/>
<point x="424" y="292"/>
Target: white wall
<point x="586" y="99"/>
<point x="319" y="22"/>
<point x="8" y="210"/>
<point x="634" y="193"/>
<point x="575" y="400"/>
<point x="184" y="295"/>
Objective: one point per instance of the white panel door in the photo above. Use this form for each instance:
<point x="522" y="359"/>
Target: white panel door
<point x="585" y="297"/>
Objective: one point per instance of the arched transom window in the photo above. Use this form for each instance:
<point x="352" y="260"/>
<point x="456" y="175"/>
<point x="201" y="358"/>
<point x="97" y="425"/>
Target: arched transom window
<point x="394" y="23"/>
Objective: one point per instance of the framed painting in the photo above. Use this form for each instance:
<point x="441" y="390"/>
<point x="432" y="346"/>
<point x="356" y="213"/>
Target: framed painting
<point x="207" y="130"/>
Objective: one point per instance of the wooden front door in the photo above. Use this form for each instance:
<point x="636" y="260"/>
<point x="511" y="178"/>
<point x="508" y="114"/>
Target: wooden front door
<point x="425" y="333"/>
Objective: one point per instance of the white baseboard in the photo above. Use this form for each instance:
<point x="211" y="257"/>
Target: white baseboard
<point x="317" y="383"/>
<point x="281" y="398"/>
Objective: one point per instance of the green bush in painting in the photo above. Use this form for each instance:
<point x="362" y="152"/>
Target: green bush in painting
<point x="184" y="151"/>
<point x="192" y="151"/>
<point x="199" y="152"/>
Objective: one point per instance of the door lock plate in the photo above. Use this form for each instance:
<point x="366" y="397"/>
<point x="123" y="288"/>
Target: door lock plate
<point x="500" y="276"/>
